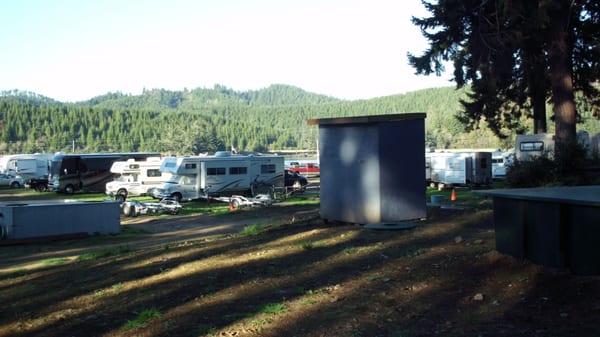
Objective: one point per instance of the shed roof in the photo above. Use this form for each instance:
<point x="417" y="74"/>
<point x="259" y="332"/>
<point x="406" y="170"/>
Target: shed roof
<point x="366" y="119"/>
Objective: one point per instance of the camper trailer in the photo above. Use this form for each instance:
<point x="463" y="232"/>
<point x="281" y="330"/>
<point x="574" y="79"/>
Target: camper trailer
<point x="27" y="166"/>
<point x="136" y="178"/>
<point x="542" y="144"/>
<point x="458" y="168"/>
<point x="531" y="146"/>
<point x="220" y="174"/>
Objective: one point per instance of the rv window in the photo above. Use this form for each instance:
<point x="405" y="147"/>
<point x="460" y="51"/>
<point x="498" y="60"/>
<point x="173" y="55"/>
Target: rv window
<point x="238" y="170"/>
<point x="134" y="166"/>
<point x="170" y="164"/>
<point x="531" y="146"/>
<point x="69" y="166"/>
<point x="497" y="161"/>
<point x="215" y="171"/>
<point x="153" y="173"/>
<point x="190" y="166"/>
<point x="270" y="168"/>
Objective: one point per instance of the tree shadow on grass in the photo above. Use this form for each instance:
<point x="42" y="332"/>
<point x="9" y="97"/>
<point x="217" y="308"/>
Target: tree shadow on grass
<point x="220" y="296"/>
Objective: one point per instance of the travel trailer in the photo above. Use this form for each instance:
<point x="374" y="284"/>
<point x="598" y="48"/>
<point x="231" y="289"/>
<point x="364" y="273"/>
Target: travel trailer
<point x="528" y="147"/>
<point x="220" y="174"/>
<point x="27" y="166"/>
<point x="542" y="144"/>
<point x="136" y="178"/>
<point x="87" y="172"/>
<point x="458" y="168"/>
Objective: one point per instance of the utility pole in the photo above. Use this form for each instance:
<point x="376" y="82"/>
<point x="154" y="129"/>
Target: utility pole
<point x="73" y="150"/>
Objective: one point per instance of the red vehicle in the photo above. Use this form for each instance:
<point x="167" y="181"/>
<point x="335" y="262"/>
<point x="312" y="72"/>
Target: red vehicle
<point x="305" y="168"/>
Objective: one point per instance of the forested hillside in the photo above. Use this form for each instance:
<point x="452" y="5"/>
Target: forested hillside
<point x="199" y="120"/>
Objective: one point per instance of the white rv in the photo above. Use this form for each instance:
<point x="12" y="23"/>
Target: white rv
<point x="136" y="178"/>
<point x="500" y="161"/>
<point x="27" y="166"/>
<point x="542" y="144"/>
<point x="459" y="168"/>
<point x="220" y="174"/>
<point x="531" y="146"/>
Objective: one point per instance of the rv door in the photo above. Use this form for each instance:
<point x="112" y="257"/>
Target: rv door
<point x="202" y="176"/>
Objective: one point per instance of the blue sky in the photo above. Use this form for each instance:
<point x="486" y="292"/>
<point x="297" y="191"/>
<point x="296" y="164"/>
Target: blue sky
<point x="74" y="50"/>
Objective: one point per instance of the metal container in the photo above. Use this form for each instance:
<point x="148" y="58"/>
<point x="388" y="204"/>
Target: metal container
<point x="372" y="168"/>
<point x="38" y="219"/>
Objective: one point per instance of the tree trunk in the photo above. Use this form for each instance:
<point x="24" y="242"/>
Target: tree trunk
<point x="561" y="78"/>
<point x="539" y="112"/>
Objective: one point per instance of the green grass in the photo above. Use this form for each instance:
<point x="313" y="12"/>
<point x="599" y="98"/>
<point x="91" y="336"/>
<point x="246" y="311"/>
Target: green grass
<point x="302" y="200"/>
<point x="252" y="230"/>
<point x="350" y="250"/>
<point x="55" y="261"/>
<point x="94" y="255"/>
<point x="202" y="207"/>
<point x="307" y="245"/>
<point x="142" y="319"/>
<point x="273" y="308"/>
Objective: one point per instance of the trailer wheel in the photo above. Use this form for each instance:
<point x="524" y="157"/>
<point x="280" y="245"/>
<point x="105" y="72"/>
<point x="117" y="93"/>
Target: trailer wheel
<point x="234" y="205"/>
<point x="40" y="187"/>
<point x="15" y="184"/>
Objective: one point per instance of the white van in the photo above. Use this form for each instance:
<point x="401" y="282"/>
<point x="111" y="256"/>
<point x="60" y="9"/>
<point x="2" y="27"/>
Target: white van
<point x="459" y="168"/>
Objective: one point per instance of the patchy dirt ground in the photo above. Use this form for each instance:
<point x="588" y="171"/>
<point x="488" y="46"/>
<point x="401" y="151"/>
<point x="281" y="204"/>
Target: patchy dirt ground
<point x="300" y="278"/>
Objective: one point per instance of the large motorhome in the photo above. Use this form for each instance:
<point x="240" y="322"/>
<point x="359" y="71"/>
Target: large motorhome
<point x="220" y="174"/>
<point x="87" y="172"/>
<point x="136" y="178"/>
<point x="28" y="166"/>
<point x="459" y="168"/>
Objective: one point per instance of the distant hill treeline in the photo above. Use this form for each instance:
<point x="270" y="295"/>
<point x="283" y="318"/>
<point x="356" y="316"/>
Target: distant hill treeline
<point x="199" y="120"/>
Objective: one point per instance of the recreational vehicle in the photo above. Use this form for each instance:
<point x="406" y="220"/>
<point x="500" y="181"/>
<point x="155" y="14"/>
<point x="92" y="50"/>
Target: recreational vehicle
<point x="87" y="172"/>
<point x="220" y="174"/>
<point x="459" y="168"/>
<point x="542" y="144"/>
<point x="500" y="161"/>
<point x="27" y="166"/>
<point x="135" y="178"/>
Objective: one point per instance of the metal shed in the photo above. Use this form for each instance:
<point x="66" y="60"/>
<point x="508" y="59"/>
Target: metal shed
<point x="372" y="168"/>
<point x="52" y="218"/>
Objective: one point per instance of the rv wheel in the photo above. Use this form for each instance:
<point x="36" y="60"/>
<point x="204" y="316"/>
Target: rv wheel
<point x="176" y="196"/>
<point x="121" y="195"/>
<point x="15" y="184"/>
<point x="69" y="189"/>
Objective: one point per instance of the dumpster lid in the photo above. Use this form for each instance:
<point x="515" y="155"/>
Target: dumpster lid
<point x="366" y="119"/>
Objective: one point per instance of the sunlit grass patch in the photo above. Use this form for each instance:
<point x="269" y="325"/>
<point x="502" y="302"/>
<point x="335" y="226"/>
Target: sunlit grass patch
<point x="202" y="207"/>
<point x="273" y="308"/>
<point x="142" y="319"/>
<point x="350" y="250"/>
<point x="55" y="261"/>
<point x="252" y="229"/>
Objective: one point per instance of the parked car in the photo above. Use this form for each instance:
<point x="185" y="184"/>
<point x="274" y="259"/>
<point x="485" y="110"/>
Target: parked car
<point x="293" y="179"/>
<point x="11" y="181"/>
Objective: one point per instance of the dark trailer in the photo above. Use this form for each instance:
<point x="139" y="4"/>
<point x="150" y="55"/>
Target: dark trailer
<point x="87" y="172"/>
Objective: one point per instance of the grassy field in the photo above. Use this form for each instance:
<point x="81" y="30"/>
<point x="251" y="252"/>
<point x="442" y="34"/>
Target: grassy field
<point x="283" y="272"/>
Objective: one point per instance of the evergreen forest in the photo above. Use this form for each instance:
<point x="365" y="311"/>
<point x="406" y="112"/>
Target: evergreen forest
<point x="218" y="118"/>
